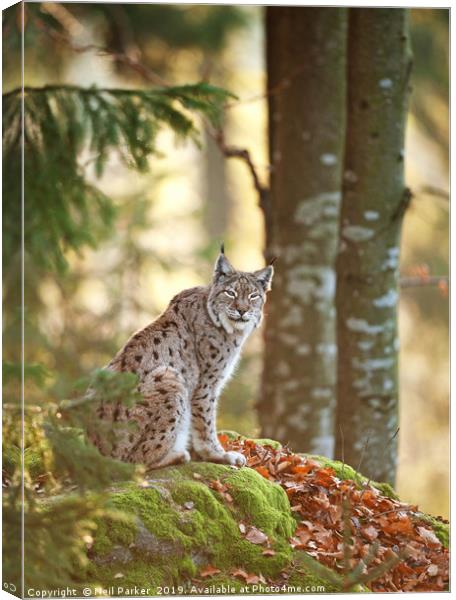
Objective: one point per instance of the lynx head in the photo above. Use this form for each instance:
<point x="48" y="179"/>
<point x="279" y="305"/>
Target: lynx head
<point x="236" y="298"/>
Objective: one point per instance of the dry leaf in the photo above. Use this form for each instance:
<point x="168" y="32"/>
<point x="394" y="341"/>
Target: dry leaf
<point x="428" y="535"/>
<point x="316" y="495"/>
<point x="262" y="471"/>
<point x="240" y="573"/>
<point x="255" y="536"/>
<point x="223" y="439"/>
<point x="209" y="571"/>
<point x="283" y="466"/>
<point x="370" y="533"/>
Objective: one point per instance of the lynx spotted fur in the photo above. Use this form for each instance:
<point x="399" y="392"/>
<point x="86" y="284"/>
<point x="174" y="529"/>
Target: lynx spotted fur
<point x="182" y="360"/>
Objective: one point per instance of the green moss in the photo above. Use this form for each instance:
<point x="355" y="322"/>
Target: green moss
<point x="233" y="435"/>
<point x="138" y="573"/>
<point x="192" y="522"/>
<point x="190" y="525"/>
<point x="268" y="442"/>
<point x="344" y="471"/>
<point x="114" y="531"/>
<point x="261" y="502"/>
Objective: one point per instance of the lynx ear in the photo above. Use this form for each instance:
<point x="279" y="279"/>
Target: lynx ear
<point x="264" y="277"/>
<point x="222" y="267"/>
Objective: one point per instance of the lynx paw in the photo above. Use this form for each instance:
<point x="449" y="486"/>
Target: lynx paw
<point x="234" y="458"/>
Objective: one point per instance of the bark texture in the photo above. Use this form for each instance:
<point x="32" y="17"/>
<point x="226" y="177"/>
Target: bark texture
<point x="374" y="201"/>
<point x="306" y="64"/>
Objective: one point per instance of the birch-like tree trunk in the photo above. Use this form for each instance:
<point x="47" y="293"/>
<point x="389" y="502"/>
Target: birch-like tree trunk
<point x="306" y="65"/>
<point x="374" y="200"/>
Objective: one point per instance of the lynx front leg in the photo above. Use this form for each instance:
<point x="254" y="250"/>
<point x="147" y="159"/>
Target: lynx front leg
<point x="204" y="432"/>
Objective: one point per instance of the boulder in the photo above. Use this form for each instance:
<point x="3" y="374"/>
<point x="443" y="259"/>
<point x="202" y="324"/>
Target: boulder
<point x="207" y="528"/>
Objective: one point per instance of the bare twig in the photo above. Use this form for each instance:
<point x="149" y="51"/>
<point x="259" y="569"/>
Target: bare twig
<point x="152" y="77"/>
<point x="383" y="455"/>
<point x="434" y="280"/>
<point x="431" y="190"/>
<point x="342" y="442"/>
<point x="363" y="452"/>
<point x="392" y="510"/>
<point x="146" y="73"/>
<point x="243" y="154"/>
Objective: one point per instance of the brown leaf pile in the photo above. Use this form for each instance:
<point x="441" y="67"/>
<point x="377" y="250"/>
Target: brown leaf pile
<point x="318" y="497"/>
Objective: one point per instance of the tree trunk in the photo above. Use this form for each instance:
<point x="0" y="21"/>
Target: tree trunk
<point x="374" y="200"/>
<point x="217" y="203"/>
<point x="306" y="50"/>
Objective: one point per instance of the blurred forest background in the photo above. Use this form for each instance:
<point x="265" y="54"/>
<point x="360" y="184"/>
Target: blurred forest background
<point x="168" y="221"/>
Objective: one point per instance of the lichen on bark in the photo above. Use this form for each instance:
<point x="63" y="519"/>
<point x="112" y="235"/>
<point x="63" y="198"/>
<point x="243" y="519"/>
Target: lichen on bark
<point x="306" y="69"/>
<point x="374" y="200"/>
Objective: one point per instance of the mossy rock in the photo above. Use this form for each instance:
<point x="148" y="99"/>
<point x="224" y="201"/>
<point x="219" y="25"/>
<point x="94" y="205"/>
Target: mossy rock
<point x="176" y="524"/>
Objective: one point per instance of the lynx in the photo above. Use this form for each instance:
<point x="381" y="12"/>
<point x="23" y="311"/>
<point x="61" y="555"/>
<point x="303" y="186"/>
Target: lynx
<point x="182" y="360"/>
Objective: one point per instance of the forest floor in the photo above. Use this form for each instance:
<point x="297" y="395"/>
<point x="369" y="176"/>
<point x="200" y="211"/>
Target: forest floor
<point x="356" y="528"/>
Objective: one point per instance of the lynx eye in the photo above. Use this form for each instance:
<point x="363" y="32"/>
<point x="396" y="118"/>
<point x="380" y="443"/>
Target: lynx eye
<point x="254" y="296"/>
<point x="230" y="293"/>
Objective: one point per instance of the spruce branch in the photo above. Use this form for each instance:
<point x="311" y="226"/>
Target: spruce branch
<point x="68" y="127"/>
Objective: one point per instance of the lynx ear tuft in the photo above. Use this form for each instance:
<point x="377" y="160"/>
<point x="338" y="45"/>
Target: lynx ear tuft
<point x="264" y="277"/>
<point x="222" y="267"/>
<point x="222" y="248"/>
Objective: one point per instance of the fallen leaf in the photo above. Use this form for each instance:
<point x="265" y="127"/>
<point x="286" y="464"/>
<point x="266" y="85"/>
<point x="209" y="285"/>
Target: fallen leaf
<point x="119" y="575"/>
<point x="209" y="571"/>
<point x="370" y="533"/>
<point x="325" y="476"/>
<point x="197" y="476"/>
<point x="189" y="505"/>
<point x="268" y="552"/>
<point x="223" y="439"/>
<point x="283" y="466"/>
<point x="262" y="471"/>
<point x="403" y="526"/>
<point x="302" y="469"/>
<point x="240" y="573"/>
<point x="316" y="495"/>
<point x="255" y="536"/>
<point x="218" y="486"/>
<point x="428" y="535"/>
<point x="303" y="535"/>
